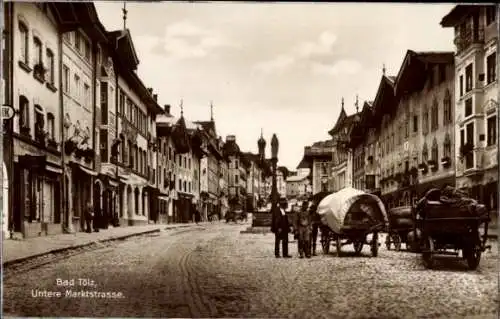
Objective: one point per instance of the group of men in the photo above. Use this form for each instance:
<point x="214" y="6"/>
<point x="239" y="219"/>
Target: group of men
<point x="306" y="222"/>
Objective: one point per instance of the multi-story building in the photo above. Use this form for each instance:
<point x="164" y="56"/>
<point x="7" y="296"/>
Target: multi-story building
<point x="187" y="145"/>
<point x="223" y="181"/>
<point x="423" y="127"/>
<point x="137" y="108"/>
<point x="253" y="180"/>
<point x="32" y="143"/>
<point x="342" y="157"/>
<point x="237" y="173"/>
<point x="476" y="99"/>
<point x="298" y="187"/>
<point x="362" y="177"/>
<point x="166" y="167"/>
<point x="318" y="159"/>
<point x="210" y="166"/>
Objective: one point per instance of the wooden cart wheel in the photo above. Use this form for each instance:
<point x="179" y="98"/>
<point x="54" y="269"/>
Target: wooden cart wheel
<point x="358" y="246"/>
<point x="427" y="253"/>
<point x="374" y="245"/>
<point x="325" y="243"/>
<point x="396" y="239"/>
<point x="473" y="256"/>
<point x="338" y="243"/>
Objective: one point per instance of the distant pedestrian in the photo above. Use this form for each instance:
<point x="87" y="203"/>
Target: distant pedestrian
<point x="89" y="217"/>
<point x="303" y="226"/>
<point x="280" y="227"/>
<point x="197" y="215"/>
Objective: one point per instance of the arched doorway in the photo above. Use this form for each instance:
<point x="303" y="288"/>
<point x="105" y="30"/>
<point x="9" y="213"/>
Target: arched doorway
<point x="97" y="205"/>
<point x="5" y="201"/>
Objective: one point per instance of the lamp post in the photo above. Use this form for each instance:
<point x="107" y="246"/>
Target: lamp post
<point x="274" y="160"/>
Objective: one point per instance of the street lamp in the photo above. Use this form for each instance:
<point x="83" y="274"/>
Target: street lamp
<point x="274" y="161"/>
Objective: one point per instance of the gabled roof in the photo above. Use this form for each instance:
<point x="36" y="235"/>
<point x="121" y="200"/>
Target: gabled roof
<point x="122" y="41"/>
<point x="340" y="120"/>
<point x="456" y="15"/>
<point x="231" y="148"/>
<point x="208" y="126"/>
<point x="385" y="94"/>
<point x="72" y="15"/>
<point x="413" y="72"/>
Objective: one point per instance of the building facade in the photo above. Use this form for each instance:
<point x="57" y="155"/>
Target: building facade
<point x="342" y="157"/>
<point x="318" y="159"/>
<point x="34" y="161"/>
<point x="476" y="100"/>
<point x="298" y="187"/>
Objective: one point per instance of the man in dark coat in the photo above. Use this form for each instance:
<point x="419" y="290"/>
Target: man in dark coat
<point x="89" y="217"/>
<point x="316" y="223"/>
<point x="280" y="227"/>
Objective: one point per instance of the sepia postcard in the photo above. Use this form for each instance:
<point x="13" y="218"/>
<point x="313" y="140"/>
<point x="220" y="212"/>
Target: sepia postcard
<point x="249" y="159"/>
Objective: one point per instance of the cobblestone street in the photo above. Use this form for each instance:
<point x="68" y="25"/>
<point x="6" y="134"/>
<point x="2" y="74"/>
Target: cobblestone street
<point x="214" y="271"/>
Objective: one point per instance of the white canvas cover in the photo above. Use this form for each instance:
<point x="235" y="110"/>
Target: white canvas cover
<point x="334" y="207"/>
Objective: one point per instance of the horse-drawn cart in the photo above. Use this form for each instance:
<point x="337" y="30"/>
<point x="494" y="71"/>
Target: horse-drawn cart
<point x="449" y="225"/>
<point x="350" y="216"/>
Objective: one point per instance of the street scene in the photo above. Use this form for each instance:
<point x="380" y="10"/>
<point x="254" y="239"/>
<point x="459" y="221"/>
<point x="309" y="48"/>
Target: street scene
<point x="212" y="270"/>
<point x="250" y="160"/>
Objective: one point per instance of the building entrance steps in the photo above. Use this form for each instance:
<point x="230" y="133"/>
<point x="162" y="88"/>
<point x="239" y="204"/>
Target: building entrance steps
<point x="14" y="251"/>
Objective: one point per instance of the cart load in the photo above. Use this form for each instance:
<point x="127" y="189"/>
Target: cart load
<point x="450" y="222"/>
<point x="400" y="217"/>
<point x="449" y="203"/>
<point x="351" y="208"/>
<point x="401" y="227"/>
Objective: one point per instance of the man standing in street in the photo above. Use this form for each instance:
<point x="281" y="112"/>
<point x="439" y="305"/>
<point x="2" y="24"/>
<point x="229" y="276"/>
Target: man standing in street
<point x="280" y="227"/>
<point x="303" y="227"/>
<point x="316" y="223"/>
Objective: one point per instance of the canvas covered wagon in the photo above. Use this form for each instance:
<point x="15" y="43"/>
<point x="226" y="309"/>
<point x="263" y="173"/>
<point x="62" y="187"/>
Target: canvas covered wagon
<point x="349" y="216"/>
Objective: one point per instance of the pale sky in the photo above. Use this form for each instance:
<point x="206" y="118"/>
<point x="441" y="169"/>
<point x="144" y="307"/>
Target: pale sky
<point x="282" y="67"/>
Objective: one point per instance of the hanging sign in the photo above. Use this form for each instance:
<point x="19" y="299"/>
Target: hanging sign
<point x="7" y="112"/>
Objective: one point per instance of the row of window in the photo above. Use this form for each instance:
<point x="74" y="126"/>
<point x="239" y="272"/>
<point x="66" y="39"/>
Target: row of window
<point x="132" y="112"/>
<point x="43" y="70"/>
<point x="491" y="74"/>
<point x="40" y="127"/>
<point x="391" y="140"/>
<point x="77" y="88"/>
<point x="80" y="42"/>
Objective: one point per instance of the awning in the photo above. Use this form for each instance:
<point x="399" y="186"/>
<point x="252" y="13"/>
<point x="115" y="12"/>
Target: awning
<point x="86" y="170"/>
<point x="54" y="169"/>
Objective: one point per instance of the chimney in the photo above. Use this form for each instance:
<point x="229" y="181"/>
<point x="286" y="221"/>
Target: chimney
<point x="155" y="97"/>
<point x="230" y="138"/>
<point x="150" y="90"/>
<point x="167" y="108"/>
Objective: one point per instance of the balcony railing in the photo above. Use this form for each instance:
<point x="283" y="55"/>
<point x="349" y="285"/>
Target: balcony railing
<point x="469" y="37"/>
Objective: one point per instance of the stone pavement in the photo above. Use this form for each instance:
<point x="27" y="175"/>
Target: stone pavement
<point x="15" y="251"/>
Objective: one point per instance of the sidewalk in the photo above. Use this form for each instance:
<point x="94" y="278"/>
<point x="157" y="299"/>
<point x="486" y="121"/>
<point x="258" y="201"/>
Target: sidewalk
<point x="15" y="251"/>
